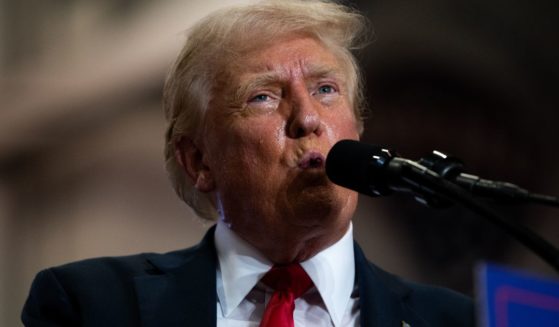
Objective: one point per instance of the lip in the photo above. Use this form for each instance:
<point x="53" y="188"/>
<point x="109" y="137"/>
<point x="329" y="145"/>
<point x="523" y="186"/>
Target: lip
<point x="312" y="160"/>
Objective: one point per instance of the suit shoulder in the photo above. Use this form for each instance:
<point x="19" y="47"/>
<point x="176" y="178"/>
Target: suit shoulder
<point x="102" y="268"/>
<point x="100" y="289"/>
<point x="61" y="295"/>
<point x="440" y="306"/>
<point x="440" y="296"/>
<point x="98" y="268"/>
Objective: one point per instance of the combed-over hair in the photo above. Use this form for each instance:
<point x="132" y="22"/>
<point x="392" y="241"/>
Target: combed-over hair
<point x="215" y="41"/>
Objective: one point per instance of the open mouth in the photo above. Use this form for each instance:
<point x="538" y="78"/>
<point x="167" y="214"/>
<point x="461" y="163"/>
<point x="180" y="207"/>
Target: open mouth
<point x="312" y="160"/>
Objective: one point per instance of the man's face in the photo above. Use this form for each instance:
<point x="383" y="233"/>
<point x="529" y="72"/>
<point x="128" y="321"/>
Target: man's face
<point x="268" y="130"/>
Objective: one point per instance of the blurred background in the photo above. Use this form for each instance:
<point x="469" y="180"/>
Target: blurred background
<point x="81" y="131"/>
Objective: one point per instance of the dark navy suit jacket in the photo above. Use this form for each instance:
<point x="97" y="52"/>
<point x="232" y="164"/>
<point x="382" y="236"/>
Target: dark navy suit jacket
<point x="178" y="289"/>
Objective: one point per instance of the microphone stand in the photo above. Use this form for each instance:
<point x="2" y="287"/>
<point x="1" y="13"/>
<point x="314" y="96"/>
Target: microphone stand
<point x="452" y="169"/>
<point x="418" y="179"/>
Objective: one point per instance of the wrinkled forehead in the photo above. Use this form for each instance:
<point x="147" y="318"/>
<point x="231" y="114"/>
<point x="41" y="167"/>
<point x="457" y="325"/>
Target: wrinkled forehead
<point x="288" y="57"/>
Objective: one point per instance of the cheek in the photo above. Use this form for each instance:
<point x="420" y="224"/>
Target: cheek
<point x="252" y="142"/>
<point x="341" y="126"/>
<point x="266" y="130"/>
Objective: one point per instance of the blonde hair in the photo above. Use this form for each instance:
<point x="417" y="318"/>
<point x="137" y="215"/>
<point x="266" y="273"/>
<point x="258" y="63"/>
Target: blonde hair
<point x="215" y="41"/>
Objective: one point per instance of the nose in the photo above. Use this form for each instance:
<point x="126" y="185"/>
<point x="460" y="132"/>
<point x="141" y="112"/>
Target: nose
<point x="304" y="117"/>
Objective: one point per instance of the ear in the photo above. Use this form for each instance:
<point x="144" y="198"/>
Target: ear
<point x="191" y="159"/>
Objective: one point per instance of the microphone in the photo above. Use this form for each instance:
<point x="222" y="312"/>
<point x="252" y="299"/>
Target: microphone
<point x="359" y="167"/>
<point x="376" y="171"/>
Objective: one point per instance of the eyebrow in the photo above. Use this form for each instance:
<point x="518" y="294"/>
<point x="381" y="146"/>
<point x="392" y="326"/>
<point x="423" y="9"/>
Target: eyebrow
<point x="260" y="80"/>
<point x="312" y="71"/>
<point x="321" y="71"/>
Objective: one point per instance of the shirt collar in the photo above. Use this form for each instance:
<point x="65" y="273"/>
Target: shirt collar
<point x="333" y="273"/>
<point x="241" y="266"/>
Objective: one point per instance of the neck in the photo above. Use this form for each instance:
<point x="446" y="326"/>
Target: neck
<point x="294" y="246"/>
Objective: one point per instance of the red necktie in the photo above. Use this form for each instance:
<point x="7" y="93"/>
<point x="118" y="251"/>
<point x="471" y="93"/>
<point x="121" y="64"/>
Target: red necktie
<point x="289" y="282"/>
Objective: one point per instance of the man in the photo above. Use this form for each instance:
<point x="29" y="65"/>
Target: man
<point x="256" y="99"/>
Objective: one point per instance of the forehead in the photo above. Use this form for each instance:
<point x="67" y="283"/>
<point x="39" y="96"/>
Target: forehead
<point x="289" y="56"/>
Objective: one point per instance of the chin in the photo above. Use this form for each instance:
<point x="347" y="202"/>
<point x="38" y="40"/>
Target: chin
<point x="312" y="196"/>
<point x="320" y="202"/>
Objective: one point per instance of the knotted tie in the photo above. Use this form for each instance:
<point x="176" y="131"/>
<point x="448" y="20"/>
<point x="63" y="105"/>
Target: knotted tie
<point x="289" y="282"/>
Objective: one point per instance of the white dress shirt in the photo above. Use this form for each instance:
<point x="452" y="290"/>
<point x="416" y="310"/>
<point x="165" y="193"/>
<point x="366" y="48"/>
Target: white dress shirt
<point x="242" y="298"/>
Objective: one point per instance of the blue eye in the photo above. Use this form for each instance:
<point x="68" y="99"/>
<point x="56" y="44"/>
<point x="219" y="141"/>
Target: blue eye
<point x="324" y="89"/>
<point x="260" y="98"/>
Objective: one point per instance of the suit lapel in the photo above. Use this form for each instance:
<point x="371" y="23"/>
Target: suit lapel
<point x="383" y="297"/>
<point x="179" y="289"/>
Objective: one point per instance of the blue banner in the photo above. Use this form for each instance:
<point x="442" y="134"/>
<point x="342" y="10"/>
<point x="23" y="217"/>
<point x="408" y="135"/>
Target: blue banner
<point x="511" y="298"/>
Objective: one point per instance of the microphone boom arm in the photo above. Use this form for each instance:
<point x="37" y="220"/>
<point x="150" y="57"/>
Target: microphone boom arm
<point x="422" y="180"/>
<point x="452" y="169"/>
<point x="376" y="171"/>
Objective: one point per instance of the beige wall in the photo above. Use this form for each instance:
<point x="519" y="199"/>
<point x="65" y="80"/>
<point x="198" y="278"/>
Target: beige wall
<point x="104" y="194"/>
<point x="81" y="136"/>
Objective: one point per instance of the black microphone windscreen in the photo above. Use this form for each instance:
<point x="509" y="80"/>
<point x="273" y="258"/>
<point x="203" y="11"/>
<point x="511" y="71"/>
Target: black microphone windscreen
<point x="357" y="166"/>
